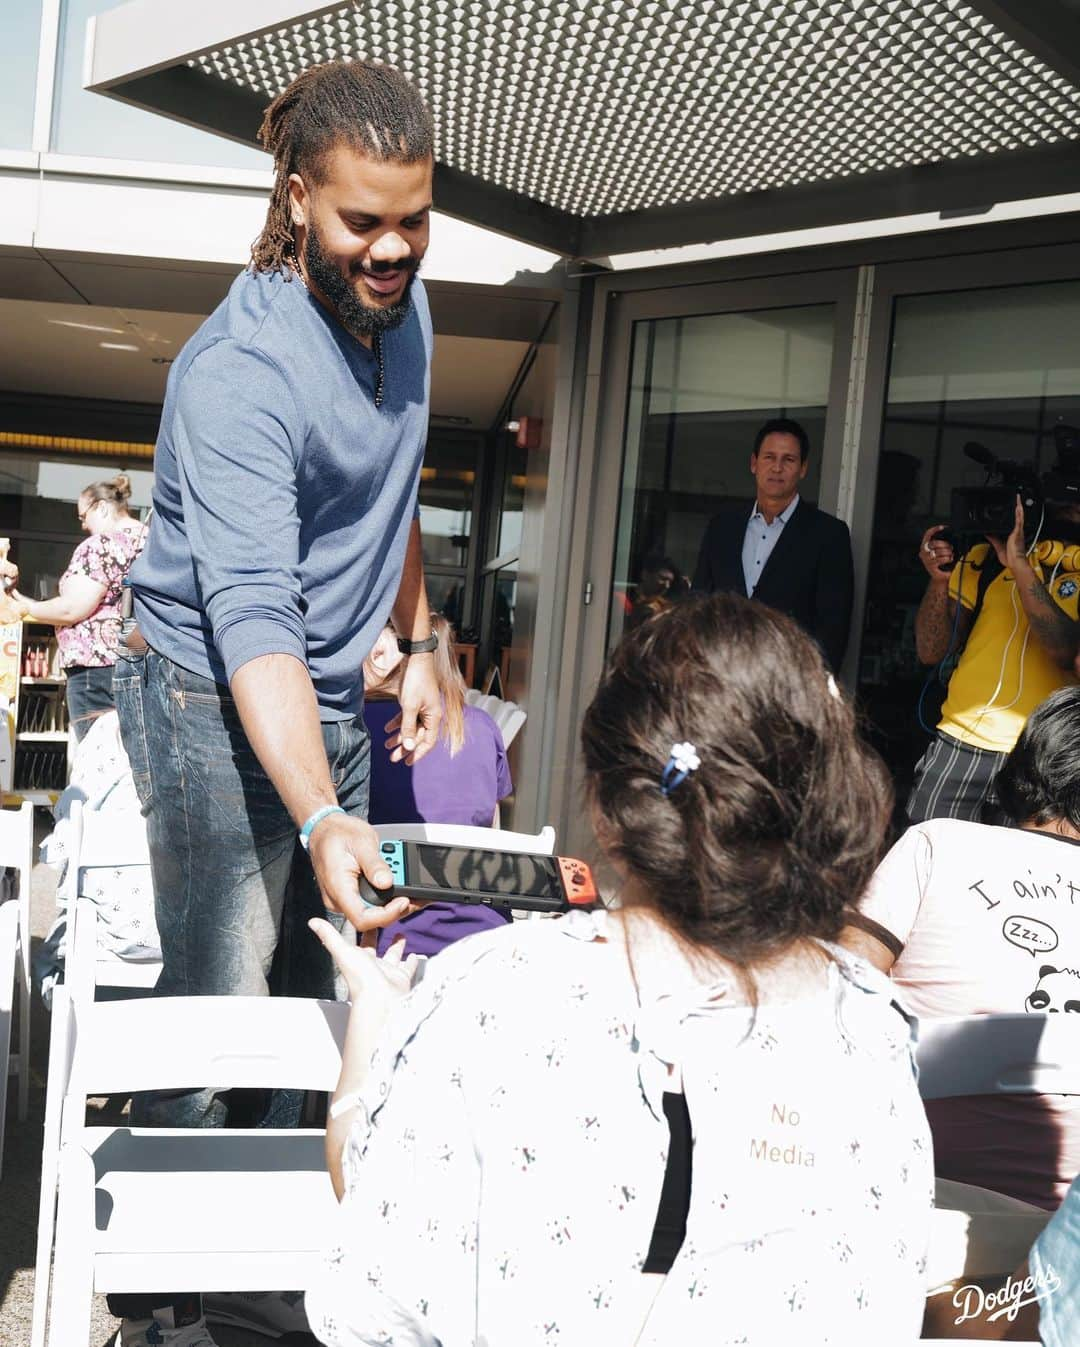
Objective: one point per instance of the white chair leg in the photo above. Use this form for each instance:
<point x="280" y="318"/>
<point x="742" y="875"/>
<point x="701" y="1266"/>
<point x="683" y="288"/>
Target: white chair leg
<point x="5" y="1043"/>
<point x="59" y="1049"/>
<point x="26" y="870"/>
<point x="73" y="1274"/>
<point x="24" y="1048"/>
<point x="9" y="914"/>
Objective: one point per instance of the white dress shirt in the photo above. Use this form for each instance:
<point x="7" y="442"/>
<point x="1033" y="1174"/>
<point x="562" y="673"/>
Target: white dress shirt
<point x="759" y="540"/>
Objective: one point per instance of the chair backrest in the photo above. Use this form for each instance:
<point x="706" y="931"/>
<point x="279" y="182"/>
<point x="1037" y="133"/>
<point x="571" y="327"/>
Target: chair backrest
<point x="509" y="716"/>
<point x="999" y="1054"/>
<point x="172" y="1042"/>
<point x="104" y="839"/>
<point x="461" y="835"/>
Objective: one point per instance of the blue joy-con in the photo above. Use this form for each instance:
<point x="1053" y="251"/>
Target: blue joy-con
<point x="393" y="853"/>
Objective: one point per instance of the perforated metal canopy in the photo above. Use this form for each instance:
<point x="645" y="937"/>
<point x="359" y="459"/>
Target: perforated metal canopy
<point x="602" y="126"/>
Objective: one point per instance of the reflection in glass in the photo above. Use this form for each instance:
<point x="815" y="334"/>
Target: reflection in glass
<point x="18" y="73"/>
<point x="38" y="497"/>
<point x="998" y="366"/>
<point x="700" y="388"/>
<point x="513" y="501"/>
<point x="446" y="595"/>
<point x="447" y="482"/>
<point x="89" y="124"/>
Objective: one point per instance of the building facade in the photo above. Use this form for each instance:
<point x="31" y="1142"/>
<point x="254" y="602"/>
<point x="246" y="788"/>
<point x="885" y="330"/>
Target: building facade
<point x="642" y="374"/>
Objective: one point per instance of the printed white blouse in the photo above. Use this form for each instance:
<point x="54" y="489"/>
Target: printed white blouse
<point x="505" y="1166"/>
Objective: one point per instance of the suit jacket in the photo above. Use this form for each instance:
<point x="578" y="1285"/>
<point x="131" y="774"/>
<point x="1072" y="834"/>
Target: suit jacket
<point x="809" y="575"/>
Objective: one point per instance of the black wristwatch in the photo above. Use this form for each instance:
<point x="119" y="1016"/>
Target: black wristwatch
<point x="424" y="647"/>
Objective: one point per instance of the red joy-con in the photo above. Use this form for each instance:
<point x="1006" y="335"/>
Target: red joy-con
<point x="577" y="881"/>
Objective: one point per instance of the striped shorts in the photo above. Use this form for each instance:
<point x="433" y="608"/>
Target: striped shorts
<point x="955" y="780"/>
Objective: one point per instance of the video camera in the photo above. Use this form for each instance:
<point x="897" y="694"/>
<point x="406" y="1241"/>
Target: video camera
<point x="991" y="509"/>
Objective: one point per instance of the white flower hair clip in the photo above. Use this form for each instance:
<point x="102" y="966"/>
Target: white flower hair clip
<point x="683" y="760"/>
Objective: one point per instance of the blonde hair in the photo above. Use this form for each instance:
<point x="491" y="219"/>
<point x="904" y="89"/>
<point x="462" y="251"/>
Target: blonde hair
<point x="451" y="685"/>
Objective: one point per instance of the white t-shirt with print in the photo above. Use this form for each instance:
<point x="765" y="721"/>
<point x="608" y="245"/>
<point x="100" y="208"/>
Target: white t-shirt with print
<point x="989" y="918"/>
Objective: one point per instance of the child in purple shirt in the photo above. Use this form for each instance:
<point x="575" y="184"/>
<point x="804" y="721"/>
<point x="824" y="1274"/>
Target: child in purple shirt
<point x="461" y="780"/>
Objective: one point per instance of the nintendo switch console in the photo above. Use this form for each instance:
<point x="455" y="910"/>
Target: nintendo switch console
<point x="427" y="872"/>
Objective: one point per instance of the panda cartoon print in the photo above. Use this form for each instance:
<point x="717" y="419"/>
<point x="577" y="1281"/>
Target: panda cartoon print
<point x="1058" y="989"/>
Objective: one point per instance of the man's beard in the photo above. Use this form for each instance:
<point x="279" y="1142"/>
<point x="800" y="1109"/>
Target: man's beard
<point x="361" y="319"/>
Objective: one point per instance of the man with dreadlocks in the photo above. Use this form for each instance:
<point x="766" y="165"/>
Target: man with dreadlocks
<point x="285" y="532"/>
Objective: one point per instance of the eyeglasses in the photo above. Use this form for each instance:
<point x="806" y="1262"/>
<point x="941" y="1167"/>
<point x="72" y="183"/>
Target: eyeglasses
<point x="83" y="513"/>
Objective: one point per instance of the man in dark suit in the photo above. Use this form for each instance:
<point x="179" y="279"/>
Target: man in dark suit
<point x="784" y="552"/>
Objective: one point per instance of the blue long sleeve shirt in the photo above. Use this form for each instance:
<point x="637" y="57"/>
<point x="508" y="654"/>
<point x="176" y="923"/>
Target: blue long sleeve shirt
<point x="283" y="496"/>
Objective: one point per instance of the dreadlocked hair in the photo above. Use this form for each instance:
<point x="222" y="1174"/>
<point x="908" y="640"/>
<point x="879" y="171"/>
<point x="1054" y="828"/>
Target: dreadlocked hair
<point x="371" y="107"/>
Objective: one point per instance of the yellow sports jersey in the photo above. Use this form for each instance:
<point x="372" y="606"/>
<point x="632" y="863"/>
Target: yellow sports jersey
<point x="1004" y="673"/>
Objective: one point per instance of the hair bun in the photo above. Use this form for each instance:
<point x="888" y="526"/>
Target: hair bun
<point x="122" y="485"/>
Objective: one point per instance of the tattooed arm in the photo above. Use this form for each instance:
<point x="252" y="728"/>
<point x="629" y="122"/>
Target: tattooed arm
<point x="937" y="616"/>
<point x="1053" y="628"/>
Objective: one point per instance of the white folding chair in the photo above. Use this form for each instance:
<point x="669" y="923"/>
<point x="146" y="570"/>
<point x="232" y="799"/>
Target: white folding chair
<point x="509" y="716"/>
<point x="1021" y="1054"/>
<point x="462" y="835"/>
<point x="246" y="1209"/>
<point x="17" y="852"/>
<point x="108" y="841"/>
<point x="1036" y="1053"/>
<point x="97" y="840"/>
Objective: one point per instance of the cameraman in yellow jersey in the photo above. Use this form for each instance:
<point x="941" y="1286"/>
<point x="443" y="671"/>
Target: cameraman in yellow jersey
<point x="1018" y="626"/>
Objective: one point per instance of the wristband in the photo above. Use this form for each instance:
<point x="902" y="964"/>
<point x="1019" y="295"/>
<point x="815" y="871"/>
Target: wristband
<point x="346" y="1103"/>
<point x="313" y="822"/>
<point x="424" y="647"/>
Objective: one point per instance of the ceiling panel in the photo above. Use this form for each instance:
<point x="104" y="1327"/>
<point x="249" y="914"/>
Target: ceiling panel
<point x="555" y="118"/>
<point x="123" y="354"/>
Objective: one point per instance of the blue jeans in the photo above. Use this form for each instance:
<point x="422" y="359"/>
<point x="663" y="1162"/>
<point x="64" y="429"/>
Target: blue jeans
<point x="89" y="694"/>
<point x="1055" y="1260"/>
<point x="233" y="889"/>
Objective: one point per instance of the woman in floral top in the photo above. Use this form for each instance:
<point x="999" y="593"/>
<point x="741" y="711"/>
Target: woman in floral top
<point x="86" y="612"/>
<point x="693" y="1119"/>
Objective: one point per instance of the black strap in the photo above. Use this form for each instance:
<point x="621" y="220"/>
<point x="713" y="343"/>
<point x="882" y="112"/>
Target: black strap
<point x="869" y="926"/>
<point x="669" y="1228"/>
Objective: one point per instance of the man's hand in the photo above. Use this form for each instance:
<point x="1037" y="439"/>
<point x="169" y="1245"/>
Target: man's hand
<point x="415" y="729"/>
<point x="936" y="555"/>
<point x="1012" y="552"/>
<point x="342" y="849"/>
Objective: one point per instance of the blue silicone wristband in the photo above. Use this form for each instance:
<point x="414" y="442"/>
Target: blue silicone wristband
<point x="316" y="818"/>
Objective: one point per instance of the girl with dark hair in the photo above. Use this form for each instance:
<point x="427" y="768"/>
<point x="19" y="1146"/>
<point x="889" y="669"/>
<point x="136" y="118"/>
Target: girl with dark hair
<point x="86" y="612"/>
<point x="689" y="1119"/>
<point x="974" y="919"/>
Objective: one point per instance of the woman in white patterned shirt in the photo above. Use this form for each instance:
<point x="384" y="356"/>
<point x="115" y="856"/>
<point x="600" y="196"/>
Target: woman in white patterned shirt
<point x="689" y="1120"/>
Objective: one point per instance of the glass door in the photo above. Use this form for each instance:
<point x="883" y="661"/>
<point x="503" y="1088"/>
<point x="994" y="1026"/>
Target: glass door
<point x="996" y="366"/>
<point x="688" y="375"/>
<point x="700" y="388"/>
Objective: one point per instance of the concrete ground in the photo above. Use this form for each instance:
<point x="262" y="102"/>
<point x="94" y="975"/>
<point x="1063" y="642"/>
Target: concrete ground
<point x="22" y="1168"/>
